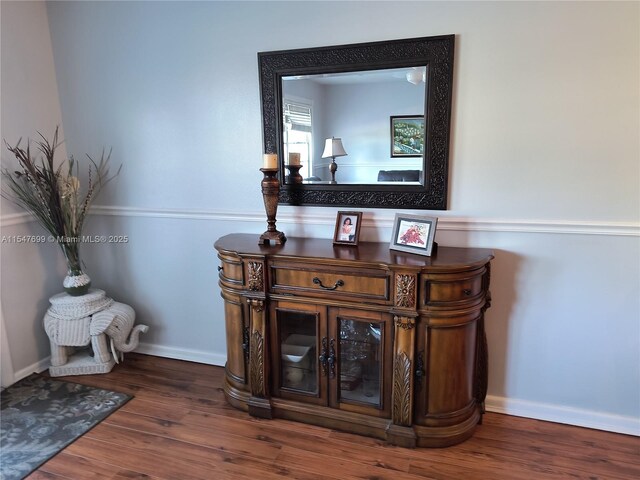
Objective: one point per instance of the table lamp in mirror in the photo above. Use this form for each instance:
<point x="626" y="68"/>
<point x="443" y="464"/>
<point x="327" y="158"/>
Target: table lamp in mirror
<point x="333" y="148"/>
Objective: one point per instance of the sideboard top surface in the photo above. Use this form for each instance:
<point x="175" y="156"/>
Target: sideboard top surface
<point x="365" y="252"/>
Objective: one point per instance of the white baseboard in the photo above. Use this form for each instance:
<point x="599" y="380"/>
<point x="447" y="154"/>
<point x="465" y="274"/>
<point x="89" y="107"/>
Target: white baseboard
<point x="38" y="367"/>
<point x="509" y="406"/>
<point x="518" y="408"/>
<point x="198" y="356"/>
<point x="562" y="414"/>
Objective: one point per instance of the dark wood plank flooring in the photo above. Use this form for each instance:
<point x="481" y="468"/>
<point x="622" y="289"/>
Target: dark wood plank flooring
<point x="179" y="426"/>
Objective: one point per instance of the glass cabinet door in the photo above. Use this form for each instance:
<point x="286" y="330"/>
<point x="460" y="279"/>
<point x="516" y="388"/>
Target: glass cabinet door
<point x="360" y="361"/>
<point x="361" y="339"/>
<point x="295" y="336"/>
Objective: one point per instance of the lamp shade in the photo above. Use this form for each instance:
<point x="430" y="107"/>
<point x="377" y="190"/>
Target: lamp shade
<point x="414" y="76"/>
<point x="333" y="148"/>
<point x="417" y="75"/>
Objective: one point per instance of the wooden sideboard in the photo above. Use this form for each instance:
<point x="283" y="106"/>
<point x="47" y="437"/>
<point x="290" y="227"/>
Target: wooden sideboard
<point x="363" y="339"/>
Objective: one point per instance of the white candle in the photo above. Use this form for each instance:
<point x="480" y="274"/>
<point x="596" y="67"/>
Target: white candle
<point x="270" y="161"/>
<point x="294" y="159"/>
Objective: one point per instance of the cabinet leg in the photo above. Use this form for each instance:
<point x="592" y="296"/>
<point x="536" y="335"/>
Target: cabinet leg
<point x="259" y="407"/>
<point x="482" y="367"/>
<point x="401" y="436"/>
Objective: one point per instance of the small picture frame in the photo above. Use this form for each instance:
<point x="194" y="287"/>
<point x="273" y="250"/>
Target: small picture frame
<point x="347" y="230"/>
<point x="407" y="136"/>
<point x="413" y="234"/>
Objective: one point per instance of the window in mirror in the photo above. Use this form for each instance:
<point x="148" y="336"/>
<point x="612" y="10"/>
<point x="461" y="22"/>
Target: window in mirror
<point x="298" y="132"/>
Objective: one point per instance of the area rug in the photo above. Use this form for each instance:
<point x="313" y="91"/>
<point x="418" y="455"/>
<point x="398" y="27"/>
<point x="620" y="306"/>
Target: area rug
<point x="40" y="416"/>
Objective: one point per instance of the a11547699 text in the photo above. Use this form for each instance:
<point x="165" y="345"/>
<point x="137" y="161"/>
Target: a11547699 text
<point x="52" y="239"/>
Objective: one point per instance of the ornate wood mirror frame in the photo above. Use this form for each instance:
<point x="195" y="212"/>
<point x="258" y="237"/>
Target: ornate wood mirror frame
<point x="436" y="53"/>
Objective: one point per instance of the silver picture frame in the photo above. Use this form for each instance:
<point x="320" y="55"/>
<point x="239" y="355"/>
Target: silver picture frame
<point x="413" y="234"/>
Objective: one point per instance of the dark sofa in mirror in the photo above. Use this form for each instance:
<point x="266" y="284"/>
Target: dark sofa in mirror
<point x="387" y="103"/>
<point x="399" y="175"/>
<point x="384" y="176"/>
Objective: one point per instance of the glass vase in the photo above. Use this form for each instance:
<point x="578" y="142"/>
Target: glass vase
<point x="76" y="282"/>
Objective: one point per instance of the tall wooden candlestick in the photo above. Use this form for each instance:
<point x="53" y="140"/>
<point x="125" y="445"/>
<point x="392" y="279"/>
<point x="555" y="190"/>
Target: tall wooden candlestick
<point x="270" y="191"/>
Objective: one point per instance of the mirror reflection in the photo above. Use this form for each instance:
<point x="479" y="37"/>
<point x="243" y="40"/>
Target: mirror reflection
<point x="364" y="127"/>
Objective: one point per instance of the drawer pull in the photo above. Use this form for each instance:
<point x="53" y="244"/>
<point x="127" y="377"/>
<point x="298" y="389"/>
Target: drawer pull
<point x="466" y="291"/>
<point x="220" y="268"/>
<point x="317" y="281"/>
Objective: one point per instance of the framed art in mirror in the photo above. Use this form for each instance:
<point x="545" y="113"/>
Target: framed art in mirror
<point x="407" y="136"/>
<point x="294" y="119"/>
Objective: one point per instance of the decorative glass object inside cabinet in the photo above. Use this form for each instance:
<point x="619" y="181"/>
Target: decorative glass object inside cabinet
<point x="360" y="355"/>
<point x="298" y="351"/>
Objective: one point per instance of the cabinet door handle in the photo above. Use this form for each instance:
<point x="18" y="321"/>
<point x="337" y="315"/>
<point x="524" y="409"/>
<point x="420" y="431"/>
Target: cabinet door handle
<point x="419" y="369"/>
<point x="332" y="358"/>
<point x="323" y="356"/>
<point x="245" y="341"/>
<point x="317" y="281"/>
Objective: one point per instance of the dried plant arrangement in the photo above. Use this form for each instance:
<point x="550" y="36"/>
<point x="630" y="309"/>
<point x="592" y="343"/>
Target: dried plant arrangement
<point x="53" y="195"/>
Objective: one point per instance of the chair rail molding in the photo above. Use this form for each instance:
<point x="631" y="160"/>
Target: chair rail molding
<point x="289" y="215"/>
<point x="11" y="219"/>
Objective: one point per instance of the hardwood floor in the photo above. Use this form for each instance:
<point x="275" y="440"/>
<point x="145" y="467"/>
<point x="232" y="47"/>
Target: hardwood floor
<point x="179" y="426"/>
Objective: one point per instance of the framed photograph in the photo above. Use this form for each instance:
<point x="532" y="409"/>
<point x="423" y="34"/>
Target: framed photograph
<point x="347" y="228"/>
<point x="407" y="136"/>
<point x="413" y="234"/>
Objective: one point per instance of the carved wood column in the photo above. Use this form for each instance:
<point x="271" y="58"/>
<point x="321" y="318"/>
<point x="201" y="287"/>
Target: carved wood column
<point x="402" y="370"/>
<point x="258" y="403"/>
<point x="257" y="373"/>
<point x="400" y="432"/>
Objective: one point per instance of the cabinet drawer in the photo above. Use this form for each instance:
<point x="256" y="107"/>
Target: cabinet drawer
<point x="368" y="284"/>
<point x="448" y="288"/>
<point x="230" y="270"/>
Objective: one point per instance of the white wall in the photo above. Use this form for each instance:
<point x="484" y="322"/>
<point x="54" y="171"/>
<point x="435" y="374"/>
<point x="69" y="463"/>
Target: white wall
<point x="544" y="169"/>
<point x="360" y="114"/>
<point x="29" y="273"/>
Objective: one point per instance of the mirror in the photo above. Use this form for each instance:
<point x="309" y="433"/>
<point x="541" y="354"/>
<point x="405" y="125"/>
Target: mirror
<point x="378" y="115"/>
<point x="365" y="125"/>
